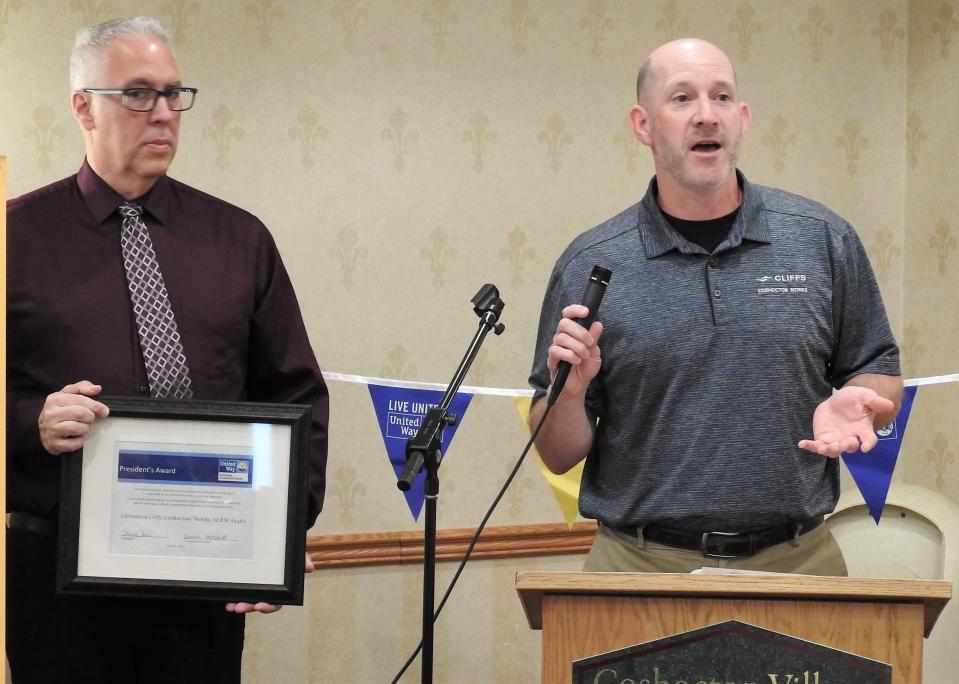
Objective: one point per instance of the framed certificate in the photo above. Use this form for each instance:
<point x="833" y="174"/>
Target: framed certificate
<point x="187" y="499"/>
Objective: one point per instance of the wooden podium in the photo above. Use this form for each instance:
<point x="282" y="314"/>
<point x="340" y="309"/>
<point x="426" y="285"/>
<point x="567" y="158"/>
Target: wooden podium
<point x="583" y="614"/>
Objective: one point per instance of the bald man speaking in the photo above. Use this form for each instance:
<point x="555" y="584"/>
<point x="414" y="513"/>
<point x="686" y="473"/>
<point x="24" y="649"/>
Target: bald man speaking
<point x="742" y="346"/>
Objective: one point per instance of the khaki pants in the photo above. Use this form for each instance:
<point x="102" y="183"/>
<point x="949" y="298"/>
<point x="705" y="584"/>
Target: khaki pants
<point x="815" y="554"/>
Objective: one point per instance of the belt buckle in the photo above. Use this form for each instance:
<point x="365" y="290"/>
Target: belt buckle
<point x="704" y="544"/>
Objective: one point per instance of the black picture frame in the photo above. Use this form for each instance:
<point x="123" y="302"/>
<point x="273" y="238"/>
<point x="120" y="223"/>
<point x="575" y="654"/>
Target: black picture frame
<point x="272" y="440"/>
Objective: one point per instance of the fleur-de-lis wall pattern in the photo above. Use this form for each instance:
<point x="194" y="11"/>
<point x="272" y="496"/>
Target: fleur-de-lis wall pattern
<point x="437" y="254"/>
<point x="479" y="136"/>
<point x="943" y="242"/>
<point x="671" y="23"/>
<point x="222" y="134"/>
<point x="912" y="349"/>
<point x="816" y="29"/>
<point x="554" y="136"/>
<point x="438" y="18"/>
<point x="265" y="14"/>
<point x="520" y="22"/>
<point x="779" y="139"/>
<point x="7" y="7"/>
<point x="942" y="456"/>
<point x="915" y="136"/>
<point x="176" y="15"/>
<point x="349" y="252"/>
<point x="307" y="132"/>
<point x="944" y="26"/>
<point x="517" y="254"/>
<point x="350" y="14"/>
<point x="398" y="364"/>
<point x="852" y="143"/>
<point x="45" y="132"/>
<point x="347" y="488"/>
<point x="404" y="152"/>
<point x="889" y="34"/>
<point x="745" y="26"/>
<point x="883" y="251"/>
<point x="400" y="138"/>
<point x="596" y="22"/>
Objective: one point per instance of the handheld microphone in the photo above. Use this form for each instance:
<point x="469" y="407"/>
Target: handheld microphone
<point x="591" y="299"/>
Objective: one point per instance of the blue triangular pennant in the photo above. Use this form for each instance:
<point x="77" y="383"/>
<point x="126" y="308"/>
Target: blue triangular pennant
<point x="873" y="471"/>
<point x="399" y="412"/>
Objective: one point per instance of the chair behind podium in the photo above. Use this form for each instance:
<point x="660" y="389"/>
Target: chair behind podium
<point x="917" y="538"/>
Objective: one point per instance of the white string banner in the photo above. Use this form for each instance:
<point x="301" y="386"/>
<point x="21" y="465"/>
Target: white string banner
<point x="503" y="392"/>
<point x="933" y="380"/>
<point x="415" y="384"/>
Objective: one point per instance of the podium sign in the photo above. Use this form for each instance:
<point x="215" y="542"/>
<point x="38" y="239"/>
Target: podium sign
<point x="730" y="651"/>
<point x="586" y="613"/>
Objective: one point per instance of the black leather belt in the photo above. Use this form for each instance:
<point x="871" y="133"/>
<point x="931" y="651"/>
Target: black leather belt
<point x="18" y="520"/>
<point x="725" y="544"/>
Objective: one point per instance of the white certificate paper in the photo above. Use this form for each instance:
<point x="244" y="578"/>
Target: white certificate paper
<point x="189" y="500"/>
<point x="190" y="503"/>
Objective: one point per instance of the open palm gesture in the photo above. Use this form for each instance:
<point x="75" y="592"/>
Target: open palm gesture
<point x="843" y="423"/>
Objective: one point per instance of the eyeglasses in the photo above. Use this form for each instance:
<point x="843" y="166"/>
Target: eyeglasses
<point x="178" y="99"/>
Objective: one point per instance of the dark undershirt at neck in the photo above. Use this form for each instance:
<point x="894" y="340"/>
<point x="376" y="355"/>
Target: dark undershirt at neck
<point x="707" y="234"/>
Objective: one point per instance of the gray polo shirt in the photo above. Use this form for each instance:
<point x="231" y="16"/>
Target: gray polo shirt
<point x="714" y="363"/>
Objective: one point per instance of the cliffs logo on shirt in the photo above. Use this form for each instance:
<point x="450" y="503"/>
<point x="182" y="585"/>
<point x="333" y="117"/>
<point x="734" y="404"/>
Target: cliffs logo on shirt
<point x="782" y="283"/>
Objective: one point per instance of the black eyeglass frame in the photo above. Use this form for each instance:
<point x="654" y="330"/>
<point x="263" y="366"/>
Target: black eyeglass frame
<point x="127" y="93"/>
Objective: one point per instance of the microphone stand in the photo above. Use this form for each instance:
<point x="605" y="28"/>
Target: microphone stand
<point x="423" y="451"/>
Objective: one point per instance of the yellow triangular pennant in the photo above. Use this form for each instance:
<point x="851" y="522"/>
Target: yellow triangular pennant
<point x="566" y="486"/>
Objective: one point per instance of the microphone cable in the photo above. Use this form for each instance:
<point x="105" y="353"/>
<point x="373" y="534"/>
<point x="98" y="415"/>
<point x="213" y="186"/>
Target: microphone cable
<point x="479" y="530"/>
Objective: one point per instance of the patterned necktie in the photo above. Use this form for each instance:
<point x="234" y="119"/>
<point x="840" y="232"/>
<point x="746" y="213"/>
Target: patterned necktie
<point x="159" y="338"/>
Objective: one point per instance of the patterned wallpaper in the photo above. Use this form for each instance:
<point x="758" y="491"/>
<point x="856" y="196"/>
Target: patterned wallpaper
<point x="404" y="152"/>
<point x="930" y="284"/>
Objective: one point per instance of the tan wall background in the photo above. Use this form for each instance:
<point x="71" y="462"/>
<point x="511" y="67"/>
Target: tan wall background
<point x="404" y="152"/>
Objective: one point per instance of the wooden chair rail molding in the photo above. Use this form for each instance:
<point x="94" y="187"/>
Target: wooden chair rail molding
<point x="508" y="541"/>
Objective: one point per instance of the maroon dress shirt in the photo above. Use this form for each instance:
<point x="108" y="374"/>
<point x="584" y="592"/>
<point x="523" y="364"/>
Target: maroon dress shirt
<point x="69" y="316"/>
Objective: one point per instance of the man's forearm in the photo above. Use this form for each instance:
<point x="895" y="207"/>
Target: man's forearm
<point x="566" y="436"/>
<point x="888" y="386"/>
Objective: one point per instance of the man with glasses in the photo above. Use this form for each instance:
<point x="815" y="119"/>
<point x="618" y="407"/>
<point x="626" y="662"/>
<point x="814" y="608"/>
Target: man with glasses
<point x="95" y="260"/>
<point x="178" y="98"/>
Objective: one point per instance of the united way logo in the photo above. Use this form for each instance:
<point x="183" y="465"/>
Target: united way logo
<point x="234" y="470"/>
<point x="888" y="432"/>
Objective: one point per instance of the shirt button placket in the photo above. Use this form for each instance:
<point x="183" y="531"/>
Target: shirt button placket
<point x="716" y="287"/>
